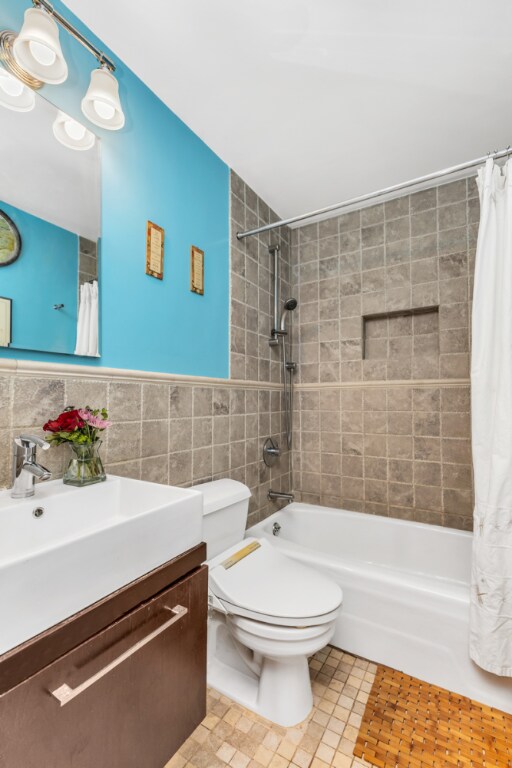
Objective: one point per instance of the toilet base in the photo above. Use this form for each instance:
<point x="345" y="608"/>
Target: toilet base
<point x="276" y="687"/>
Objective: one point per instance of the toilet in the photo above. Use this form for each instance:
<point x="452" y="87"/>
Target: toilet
<point x="267" y="613"/>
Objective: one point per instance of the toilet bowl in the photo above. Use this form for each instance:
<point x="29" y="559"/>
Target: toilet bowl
<point x="267" y="613"/>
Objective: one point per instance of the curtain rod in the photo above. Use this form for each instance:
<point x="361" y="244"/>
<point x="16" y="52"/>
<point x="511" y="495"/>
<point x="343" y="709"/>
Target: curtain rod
<point x="496" y="155"/>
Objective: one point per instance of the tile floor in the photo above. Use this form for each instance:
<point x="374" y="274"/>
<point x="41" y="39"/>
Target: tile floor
<point x="231" y="735"/>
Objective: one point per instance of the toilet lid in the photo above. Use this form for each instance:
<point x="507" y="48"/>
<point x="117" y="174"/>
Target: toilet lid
<point x="255" y="576"/>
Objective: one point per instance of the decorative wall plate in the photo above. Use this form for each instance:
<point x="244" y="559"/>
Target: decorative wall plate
<point x="10" y="240"/>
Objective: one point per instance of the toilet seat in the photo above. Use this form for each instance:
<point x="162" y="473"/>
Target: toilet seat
<point x="256" y="581"/>
<point x="275" y="631"/>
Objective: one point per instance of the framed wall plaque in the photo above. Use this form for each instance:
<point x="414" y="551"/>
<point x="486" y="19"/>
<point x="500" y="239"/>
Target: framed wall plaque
<point x="5" y="321"/>
<point x="197" y="270"/>
<point x="154" y="251"/>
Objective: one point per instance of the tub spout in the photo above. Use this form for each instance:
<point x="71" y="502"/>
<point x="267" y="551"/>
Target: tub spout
<point x="280" y="496"/>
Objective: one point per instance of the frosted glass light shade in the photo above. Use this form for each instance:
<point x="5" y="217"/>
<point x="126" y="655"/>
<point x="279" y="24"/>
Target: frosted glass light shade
<point x="101" y="104"/>
<point x="14" y="95"/>
<point x="37" y="48"/>
<point x="71" y="133"/>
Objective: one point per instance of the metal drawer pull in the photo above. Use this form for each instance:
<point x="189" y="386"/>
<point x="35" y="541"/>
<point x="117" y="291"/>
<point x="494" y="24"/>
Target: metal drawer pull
<point x="64" y="693"/>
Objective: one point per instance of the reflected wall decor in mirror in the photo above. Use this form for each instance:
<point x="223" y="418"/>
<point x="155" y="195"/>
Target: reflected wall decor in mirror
<point x="10" y="240"/>
<point x="50" y="211"/>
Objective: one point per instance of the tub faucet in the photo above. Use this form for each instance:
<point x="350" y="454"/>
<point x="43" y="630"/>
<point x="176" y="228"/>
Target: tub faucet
<point x="279" y="496"/>
<point x="25" y="468"/>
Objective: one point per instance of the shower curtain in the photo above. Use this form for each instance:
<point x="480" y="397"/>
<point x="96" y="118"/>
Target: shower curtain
<point x="87" y="325"/>
<point x="491" y="406"/>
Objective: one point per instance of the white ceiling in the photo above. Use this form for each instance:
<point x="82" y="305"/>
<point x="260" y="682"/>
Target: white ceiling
<point x="316" y="101"/>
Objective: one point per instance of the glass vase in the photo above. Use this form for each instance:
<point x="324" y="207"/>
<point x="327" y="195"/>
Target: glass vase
<point x="85" y="466"/>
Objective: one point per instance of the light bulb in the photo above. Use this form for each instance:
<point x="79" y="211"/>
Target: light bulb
<point x="104" y="110"/>
<point x="10" y="85"/>
<point x="74" y="130"/>
<point x="101" y="103"/>
<point x="71" y="133"/>
<point x="42" y="53"/>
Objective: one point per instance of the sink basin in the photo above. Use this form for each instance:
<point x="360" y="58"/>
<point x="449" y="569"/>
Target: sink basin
<point x="87" y="543"/>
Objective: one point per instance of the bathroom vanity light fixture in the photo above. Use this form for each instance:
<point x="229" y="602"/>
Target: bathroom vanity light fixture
<point x="37" y="47"/>
<point x="101" y="103"/>
<point x="71" y="133"/>
<point x="13" y="94"/>
<point x="35" y="57"/>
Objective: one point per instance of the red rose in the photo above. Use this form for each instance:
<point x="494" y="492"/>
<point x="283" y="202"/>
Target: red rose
<point x="68" y="421"/>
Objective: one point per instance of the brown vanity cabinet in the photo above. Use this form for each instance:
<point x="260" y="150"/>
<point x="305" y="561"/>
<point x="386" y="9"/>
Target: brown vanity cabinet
<point x="125" y="697"/>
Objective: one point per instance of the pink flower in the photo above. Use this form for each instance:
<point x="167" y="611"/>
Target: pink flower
<point x="94" y="421"/>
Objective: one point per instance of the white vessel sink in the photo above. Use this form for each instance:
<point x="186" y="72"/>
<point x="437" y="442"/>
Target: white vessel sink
<point x="87" y="543"/>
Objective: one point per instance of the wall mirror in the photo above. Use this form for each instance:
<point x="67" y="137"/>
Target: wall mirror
<point x="50" y="209"/>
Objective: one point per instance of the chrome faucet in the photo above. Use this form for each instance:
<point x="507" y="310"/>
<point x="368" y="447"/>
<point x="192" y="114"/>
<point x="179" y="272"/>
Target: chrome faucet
<point x="25" y="469"/>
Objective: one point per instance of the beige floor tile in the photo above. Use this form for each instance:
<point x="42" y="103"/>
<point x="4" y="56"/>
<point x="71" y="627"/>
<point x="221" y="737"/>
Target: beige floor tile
<point x="232" y="716"/>
<point x="336" y="725"/>
<point x="342" y="761"/>
<point x="210" y="721"/>
<point x="225" y="752"/>
<point x="232" y="736"/>
<point x="294" y="735"/>
<point x="350" y="733"/>
<point x="331" y="738"/>
<point x="279" y="762"/>
<point x="263" y="756"/>
<point x="218" y="708"/>
<point x="286" y="749"/>
<point x="322" y="718"/>
<point x="272" y="740"/>
<point x="346" y="746"/>
<point x="355" y="720"/>
<point x="239" y="760"/>
<point x="222" y="730"/>
<point x="302" y="759"/>
<point x="331" y="695"/>
<point x="317" y="763"/>
<point x="200" y="734"/>
<point x="342" y="711"/>
<point x="324" y="752"/>
<point x="244" y="724"/>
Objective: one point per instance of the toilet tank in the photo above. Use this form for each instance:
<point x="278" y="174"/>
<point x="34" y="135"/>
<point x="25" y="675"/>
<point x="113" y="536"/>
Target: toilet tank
<point x="225" y="508"/>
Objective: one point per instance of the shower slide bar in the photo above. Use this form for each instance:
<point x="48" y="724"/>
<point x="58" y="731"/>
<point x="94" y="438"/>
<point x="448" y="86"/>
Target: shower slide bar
<point x="496" y="155"/>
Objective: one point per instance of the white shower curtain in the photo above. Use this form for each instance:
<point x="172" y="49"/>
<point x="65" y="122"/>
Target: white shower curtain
<point x="87" y="325"/>
<point x="491" y="405"/>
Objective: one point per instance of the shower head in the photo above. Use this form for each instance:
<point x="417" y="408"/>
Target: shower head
<point x="289" y="306"/>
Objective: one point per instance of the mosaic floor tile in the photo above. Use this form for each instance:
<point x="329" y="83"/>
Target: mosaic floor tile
<point x="233" y="736"/>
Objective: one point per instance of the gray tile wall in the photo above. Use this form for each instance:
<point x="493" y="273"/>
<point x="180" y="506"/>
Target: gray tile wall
<point x="167" y="433"/>
<point x="368" y="441"/>
<point x="252" y="286"/>
<point x="87" y="260"/>
<point x="412" y="252"/>
<point x="179" y="433"/>
<point x="394" y="450"/>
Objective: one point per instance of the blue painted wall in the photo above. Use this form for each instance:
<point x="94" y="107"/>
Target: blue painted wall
<point x="46" y="273"/>
<point x="155" y="168"/>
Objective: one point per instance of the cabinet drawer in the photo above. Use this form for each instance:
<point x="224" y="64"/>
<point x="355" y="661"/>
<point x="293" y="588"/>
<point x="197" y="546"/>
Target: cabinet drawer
<point x="126" y="698"/>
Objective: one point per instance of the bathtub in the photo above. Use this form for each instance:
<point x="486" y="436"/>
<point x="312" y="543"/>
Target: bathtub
<point x="405" y="592"/>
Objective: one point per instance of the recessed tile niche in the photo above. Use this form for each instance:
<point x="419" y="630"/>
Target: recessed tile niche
<point x="410" y="333"/>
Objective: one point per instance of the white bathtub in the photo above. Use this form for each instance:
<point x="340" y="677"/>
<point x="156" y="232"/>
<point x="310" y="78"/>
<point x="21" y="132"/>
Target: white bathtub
<point x="405" y="592"/>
